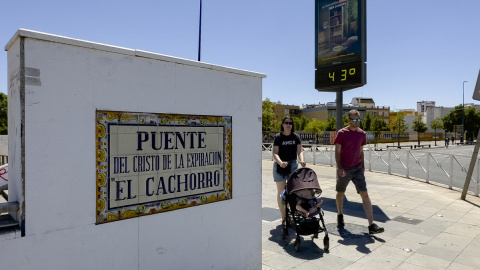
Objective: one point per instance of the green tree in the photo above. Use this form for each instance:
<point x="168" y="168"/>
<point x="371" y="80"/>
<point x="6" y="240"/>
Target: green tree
<point x="471" y="122"/>
<point x="375" y="127"/>
<point x="378" y="125"/>
<point x="345" y="120"/>
<point x="367" y="122"/>
<point x="419" y="126"/>
<point x="453" y="118"/>
<point x="277" y="125"/>
<point x="331" y="123"/>
<point x="300" y="122"/>
<point x="296" y="122"/>
<point x="3" y="114"/>
<point x="447" y="124"/>
<point x="385" y="126"/>
<point x="268" y="116"/>
<point x="477" y="122"/>
<point x="304" y="121"/>
<point x="316" y="127"/>
<point x="399" y="125"/>
<point x="436" y="124"/>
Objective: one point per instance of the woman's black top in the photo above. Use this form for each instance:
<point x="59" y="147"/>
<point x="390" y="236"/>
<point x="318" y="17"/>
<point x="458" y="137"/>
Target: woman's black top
<point x="287" y="146"/>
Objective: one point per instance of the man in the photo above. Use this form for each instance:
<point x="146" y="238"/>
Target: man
<point x="350" y="166"/>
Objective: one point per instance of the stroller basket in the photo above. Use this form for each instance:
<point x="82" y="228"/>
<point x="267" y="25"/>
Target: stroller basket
<point x="308" y="226"/>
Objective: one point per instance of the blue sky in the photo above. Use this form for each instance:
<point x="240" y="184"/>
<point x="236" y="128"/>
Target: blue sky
<point x="416" y="49"/>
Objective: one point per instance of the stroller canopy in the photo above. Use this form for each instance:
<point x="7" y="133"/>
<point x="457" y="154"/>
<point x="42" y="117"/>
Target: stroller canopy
<point x="303" y="178"/>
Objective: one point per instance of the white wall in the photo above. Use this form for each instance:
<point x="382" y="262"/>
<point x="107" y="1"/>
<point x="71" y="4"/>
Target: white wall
<point x="78" y="77"/>
<point x="15" y="189"/>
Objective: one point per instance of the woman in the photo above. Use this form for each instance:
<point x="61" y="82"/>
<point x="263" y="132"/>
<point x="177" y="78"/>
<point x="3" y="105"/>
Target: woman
<point x="286" y="147"/>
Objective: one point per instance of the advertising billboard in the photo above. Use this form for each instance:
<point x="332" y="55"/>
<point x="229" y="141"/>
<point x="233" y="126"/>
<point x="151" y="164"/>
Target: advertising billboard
<point x="340" y="37"/>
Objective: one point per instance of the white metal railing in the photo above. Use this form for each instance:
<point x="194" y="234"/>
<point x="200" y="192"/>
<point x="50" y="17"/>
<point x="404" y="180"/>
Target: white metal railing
<point x="268" y="147"/>
<point x="442" y="168"/>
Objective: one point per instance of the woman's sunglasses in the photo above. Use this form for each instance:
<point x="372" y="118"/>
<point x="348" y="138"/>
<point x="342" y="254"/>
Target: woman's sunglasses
<point x="288" y="123"/>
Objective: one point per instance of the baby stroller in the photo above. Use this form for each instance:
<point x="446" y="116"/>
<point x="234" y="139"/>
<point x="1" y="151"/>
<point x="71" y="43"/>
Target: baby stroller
<point x="303" y="181"/>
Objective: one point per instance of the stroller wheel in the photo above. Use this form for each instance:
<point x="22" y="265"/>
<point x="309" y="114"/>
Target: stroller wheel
<point x="297" y="244"/>
<point x="326" y="243"/>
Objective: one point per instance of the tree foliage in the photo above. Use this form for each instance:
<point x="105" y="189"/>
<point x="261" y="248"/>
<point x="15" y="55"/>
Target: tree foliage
<point x="453" y="118"/>
<point x="365" y="125"/>
<point x="447" y="123"/>
<point x="399" y="123"/>
<point x="3" y="114"/>
<point x="419" y="126"/>
<point x="377" y="125"/>
<point x="300" y="122"/>
<point x="331" y="123"/>
<point x="345" y="120"/>
<point x="436" y="124"/>
<point x="316" y="127"/>
<point x="471" y="120"/>
<point x="268" y="115"/>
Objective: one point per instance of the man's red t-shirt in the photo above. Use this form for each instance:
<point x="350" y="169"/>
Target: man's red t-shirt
<point x="350" y="155"/>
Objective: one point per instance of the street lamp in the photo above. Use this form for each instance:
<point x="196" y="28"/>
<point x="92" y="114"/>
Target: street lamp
<point x="463" y="114"/>
<point x="200" y="32"/>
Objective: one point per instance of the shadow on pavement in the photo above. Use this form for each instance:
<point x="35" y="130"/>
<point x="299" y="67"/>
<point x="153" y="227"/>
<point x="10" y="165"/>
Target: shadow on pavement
<point x="309" y="250"/>
<point x="270" y="214"/>
<point x="353" y="209"/>
<point x="354" y="235"/>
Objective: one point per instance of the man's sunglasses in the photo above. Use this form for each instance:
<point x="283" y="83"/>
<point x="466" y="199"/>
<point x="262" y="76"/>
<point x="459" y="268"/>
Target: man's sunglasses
<point x="288" y="123"/>
<point x="356" y="120"/>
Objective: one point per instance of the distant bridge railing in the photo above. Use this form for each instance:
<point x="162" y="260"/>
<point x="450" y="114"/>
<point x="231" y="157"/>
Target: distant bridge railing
<point x="448" y="169"/>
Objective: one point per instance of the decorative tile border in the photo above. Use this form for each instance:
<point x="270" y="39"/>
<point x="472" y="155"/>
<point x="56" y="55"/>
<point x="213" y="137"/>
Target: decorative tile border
<point x="149" y="163"/>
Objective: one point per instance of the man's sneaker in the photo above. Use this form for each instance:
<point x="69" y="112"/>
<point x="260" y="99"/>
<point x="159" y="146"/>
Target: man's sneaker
<point x="373" y="229"/>
<point x="340" y="223"/>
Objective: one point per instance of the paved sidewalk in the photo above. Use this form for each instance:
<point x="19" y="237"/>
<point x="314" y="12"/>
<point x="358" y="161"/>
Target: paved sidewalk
<point x="426" y="227"/>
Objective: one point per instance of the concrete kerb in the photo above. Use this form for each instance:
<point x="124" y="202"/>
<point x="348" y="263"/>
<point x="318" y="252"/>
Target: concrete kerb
<point x="426" y="225"/>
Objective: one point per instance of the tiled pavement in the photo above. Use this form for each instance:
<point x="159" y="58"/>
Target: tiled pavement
<point x="427" y="226"/>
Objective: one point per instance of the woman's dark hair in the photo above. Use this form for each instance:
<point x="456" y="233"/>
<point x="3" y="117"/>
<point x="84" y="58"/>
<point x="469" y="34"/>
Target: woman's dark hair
<point x="283" y="121"/>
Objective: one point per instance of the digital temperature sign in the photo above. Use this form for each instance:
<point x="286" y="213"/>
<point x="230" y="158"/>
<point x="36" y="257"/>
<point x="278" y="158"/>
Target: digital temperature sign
<point x="343" y="77"/>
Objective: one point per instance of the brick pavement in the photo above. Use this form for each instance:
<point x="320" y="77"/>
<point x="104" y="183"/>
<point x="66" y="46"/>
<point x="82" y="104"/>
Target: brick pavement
<point x="426" y="227"/>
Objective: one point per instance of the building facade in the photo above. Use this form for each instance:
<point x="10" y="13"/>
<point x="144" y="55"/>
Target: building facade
<point x="423" y="106"/>
<point x="281" y="110"/>
<point x="321" y="112"/>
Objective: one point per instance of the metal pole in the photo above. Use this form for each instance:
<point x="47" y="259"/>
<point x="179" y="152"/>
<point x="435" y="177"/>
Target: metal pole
<point x="427" y="171"/>
<point x="470" y="168"/>
<point x="339" y="108"/>
<point x="463" y="114"/>
<point x="407" y="172"/>
<point x="450" y="185"/>
<point x="200" y="32"/>
<point x="370" y="158"/>
<point x="332" y="151"/>
<point x="389" y="151"/>
<point x="478" y="177"/>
